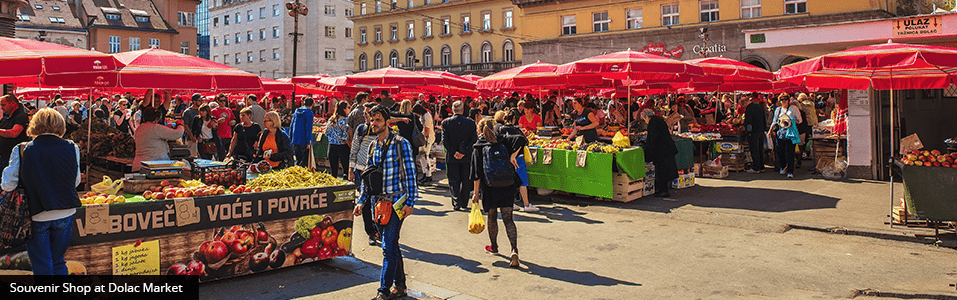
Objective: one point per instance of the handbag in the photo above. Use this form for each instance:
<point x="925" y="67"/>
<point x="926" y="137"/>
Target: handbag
<point x="208" y="147"/>
<point x="418" y="139"/>
<point x="372" y="177"/>
<point x="382" y="212"/>
<point x="16" y="227"/>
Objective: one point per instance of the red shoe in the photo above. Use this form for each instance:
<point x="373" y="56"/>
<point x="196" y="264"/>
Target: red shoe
<point x="490" y="250"/>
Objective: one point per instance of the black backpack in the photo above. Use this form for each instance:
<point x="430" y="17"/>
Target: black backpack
<point x="499" y="171"/>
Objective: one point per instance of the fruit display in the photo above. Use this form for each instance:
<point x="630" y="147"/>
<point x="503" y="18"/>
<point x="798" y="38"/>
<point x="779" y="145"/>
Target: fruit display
<point x="295" y="177"/>
<point x="701" y="136"/>
<point x="318" y="237"/>
<point x="564" y="144"/>
<point x="225" y="177"/>
<point x="94" y="198"/>
<point x="931" y="158"/>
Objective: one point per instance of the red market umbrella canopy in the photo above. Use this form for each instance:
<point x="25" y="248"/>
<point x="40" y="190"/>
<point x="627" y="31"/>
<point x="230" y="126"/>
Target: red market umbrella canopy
<point x="884" y="66"/>
<point x="338" y="84"/>
<point x="472" y="77"/>
<point x="271" y="85"/>
<point x="161" y="69"/>
<point x="536" y="75"/>
<point x="731" y="70"/>
<point x="308" y="79"/>
<point x="390" y="76"/>
<point x="452" y="80"/>
<point x="633" y="65"/>
<point x="33" y="61"/>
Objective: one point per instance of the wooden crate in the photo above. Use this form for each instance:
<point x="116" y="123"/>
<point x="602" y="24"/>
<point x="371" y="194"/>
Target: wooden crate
<point x="626" y="189"/>
<point x="139" y="186"/>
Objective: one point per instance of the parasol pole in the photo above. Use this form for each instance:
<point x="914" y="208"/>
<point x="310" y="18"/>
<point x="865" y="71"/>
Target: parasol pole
<point x="89" y="135"/>
<point x="891" y="159"/>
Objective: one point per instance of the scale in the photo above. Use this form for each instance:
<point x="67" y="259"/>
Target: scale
<point x="162" y="169"/>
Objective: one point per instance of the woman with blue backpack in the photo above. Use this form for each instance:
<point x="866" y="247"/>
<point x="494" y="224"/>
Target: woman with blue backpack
<point x="493" y="170"/>
<point x="785" y="133"/>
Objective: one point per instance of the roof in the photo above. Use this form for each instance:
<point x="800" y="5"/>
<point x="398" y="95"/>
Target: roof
<point x="53" y="14"/>
<point x="127" y="11"/>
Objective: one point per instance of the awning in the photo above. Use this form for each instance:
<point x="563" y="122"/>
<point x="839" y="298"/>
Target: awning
<point x="816" y="40"/>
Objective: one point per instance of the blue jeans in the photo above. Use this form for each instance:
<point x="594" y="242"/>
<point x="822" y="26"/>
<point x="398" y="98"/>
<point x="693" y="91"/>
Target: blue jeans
<point x="393" y="270"/>
<point x="49" y="243"/>
<point x="302" y="154"/>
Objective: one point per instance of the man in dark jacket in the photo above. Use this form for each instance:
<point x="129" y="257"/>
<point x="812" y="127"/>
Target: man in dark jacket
<point x="301" y="132"/>
<point x="458" y="136"/>
<point x="660" y="149"/>
<point x="755" y="124"/>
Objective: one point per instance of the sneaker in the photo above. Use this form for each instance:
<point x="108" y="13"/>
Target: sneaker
<point x="514" y="262"/>
<point x="381" y="296"/>
<point x="490" y="250"/>
<point x="790" y="175"/>
<point x="530" y="208"/>
<point x="516" y="207"/>
<point x="426" y="180"/>
<point x="750" y="171"/>
<point x="783" y="171"/>
<point x="397" y="293"/>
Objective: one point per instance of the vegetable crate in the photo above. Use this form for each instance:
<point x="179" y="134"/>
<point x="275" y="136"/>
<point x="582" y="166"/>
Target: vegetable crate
<point x="625" y="189"/>
<point x="225" y="175"/>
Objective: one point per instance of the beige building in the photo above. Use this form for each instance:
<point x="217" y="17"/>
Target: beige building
<point x="129" y="25"/>
<point x="256" y="36"/>
<point x="51" y="21"/>
<point x="462" y="37"/>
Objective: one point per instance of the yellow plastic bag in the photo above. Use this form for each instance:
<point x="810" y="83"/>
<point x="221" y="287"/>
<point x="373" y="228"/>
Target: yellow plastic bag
<point x="528" y="156"/>
<point x="476" y="220"/>
<point x="621" y="140"/>
<point x="108" y="186"/>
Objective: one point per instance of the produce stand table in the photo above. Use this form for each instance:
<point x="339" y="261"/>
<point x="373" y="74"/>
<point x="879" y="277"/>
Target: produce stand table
<point x="929" y="194"/>
<point x="595" y="179"/>
<point x="148" y="238"/>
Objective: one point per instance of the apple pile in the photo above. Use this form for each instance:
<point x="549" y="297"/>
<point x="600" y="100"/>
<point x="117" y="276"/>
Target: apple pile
<point x="244" y="189"/>
<point x="94" y="198"/>
<point x="224" y="177"/>
<point x="165" y="191"/>
<point x="931" y="158"/>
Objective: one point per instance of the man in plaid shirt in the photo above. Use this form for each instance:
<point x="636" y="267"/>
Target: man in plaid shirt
<point x="393" y="155"/>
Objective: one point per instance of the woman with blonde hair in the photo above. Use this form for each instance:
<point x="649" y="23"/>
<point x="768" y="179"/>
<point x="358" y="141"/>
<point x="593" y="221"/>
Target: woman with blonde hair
<point x="48" y="170"/>
<point x="274" y="145"/>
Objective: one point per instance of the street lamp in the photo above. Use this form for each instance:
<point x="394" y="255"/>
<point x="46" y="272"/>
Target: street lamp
<point x="295" y="9"/>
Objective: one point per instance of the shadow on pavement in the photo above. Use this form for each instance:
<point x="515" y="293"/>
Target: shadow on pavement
<point x="559" y="213"/>
<point x="428" y="212"/>
<point x="443" y="259"/>
<point x="570" y="276"/>
<point x="286" y="283"/>
<point x="763" y="199"/>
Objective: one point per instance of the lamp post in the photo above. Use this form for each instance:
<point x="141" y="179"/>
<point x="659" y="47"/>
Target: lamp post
<point x="295" y="9"/>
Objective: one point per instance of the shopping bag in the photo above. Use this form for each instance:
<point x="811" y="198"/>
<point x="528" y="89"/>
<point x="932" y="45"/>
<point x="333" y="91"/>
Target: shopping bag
<point x="528" y="156"/>
<point x="476" y="220"/>
<point x="108" y="186"/>
<point x="15" y="224"/>
<point x="621" y="140"/>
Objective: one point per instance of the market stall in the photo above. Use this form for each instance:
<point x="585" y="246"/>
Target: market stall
<point x="589" y="173"/>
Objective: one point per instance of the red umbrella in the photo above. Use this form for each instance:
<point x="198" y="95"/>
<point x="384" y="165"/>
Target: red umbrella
<point x="161" y="69"/>
<point x="536" y="75"/>
<point x="338" y="84"/>
<point x="633" y="65"/>
<point x="308" y="79"/>
<point x="54" y="65"/>
<point x="271" y="85"/>
<point x="885" y="66"/>
<point x="452" y="80"/>
<point x="390" y="76"/>
<point x="472" y="77"/>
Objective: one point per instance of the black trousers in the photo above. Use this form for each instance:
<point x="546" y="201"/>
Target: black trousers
<point x="756" y="146"/>
<point x="338" y="156"/>
<point x="459" y="183"/>
<point x="784" y="155"/>
<point x="367" y="220"/>
<point x="662" y="184"/>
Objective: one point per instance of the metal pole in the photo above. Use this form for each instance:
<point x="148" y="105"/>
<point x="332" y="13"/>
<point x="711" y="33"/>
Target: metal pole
<point x="891" y="159"/>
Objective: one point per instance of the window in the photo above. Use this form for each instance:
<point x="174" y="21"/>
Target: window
<point x="633" y="18"/>
<point x="184" y="47"/>
<point x="330" y="31"/>
<point x="215" y="42"/>
<point x="57" y="20"/>
<point x="262" y="34"/>
<point x="226" y="59"/>
<point x="275" y="54"/>
<point x="275" y="9"/>
<point x="446" y="56"/>
<point x="377" y="60"/>
<point x="795" y="6"/>
<point x="141" y="19"/>
<point x="362" y="36"/>
<point x="275" y="74"/>
<point x="155" y="43"/>
<point x="486" y="52"/>
<point x="709" y="10"/>
<point x="187" y="19"/>
<point x="348" y="32"/>
<point x="249" y="35"/>
<point x="427" y="57"/>
<point x="275" y="32"/>
<point x="466" y="54"/>
<point x="378" y="7"/>
<point x="487" y="21"/>
<point x="112" y="17"/>
<point x="411" y="29"/>
<point x="446" y="26"/>
<point x="465" y="24"/>
<point x="249" y="56"/>
<point x="348" y="12"/>
<point x="262" y="55"/>
<point x="226" y="40"/>
<point x="508" y="51"/>
<point x="249" y="15"/>
<point x="427" y="2"/>
<point x="114" y="44"/>
<point x="134" y="43"/>
<point x="363" y="62"/>
<point x="262" y="12"/>
<point x="410" y="4"/>
<point x="38" y="6"/>
<point x="600" y="21"/>
<point x="23" y="17"/>
<point x="362" y="9"/>
<point x="750" y="9"/>
<point x="330" y="10"/>
<point x="395" y="32"/>
<point x="394" y="59"/>
<point x="239" y="59"/>
<point x="394" y="5"/>
<point x="410" y="58"/>
<point x="215" y="57"/>
<point x="669" y="14"/>
<point x="378" y="34"/>
<point x="216" y="22"/>
<point x="239" y="39"/>
<point x="239" y="18"/>
<point x="331" y="54"/>
<point x="568" y="25"/>
<point x="226" y="20"/>
<point x="428" y="27"/>
<point x="56" y="8"/>
<point x="508" y="18"/>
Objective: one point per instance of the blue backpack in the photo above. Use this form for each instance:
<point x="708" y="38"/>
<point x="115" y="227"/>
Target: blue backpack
<point x="499" y="171"/>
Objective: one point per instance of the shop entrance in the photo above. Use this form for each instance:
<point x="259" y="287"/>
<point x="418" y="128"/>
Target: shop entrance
<point x="928" y="113"/>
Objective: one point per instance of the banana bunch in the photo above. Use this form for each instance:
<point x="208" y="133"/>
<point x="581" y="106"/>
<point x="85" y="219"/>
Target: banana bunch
<point x="295" y="177"/>
<point x="193" y="183"/>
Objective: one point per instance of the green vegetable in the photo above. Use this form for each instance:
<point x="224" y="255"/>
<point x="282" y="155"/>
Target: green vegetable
<point x="305" y="224"/>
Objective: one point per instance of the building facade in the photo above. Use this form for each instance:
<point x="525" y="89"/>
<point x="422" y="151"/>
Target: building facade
<point x="129" y="25"/>
<point x="256" y="36"/>
<point x="683" y="29"/>
<point x="8" y="16"/>
<point x="462" y="37"/>
<point x="202" y="29"/>
<point x="51" y="21"/>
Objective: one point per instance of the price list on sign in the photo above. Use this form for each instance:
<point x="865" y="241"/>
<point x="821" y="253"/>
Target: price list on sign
<point x="141" y="258"/>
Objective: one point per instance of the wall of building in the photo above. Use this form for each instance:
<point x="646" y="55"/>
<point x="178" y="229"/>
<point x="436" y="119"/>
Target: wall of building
<point x="76" y="39"/>
<point x="100" y="39"/>
<point x="436" y="11"/>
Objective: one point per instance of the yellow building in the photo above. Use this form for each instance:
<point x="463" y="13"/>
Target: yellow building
<point x="462" y="37"/>
<point x="565" y="31"/>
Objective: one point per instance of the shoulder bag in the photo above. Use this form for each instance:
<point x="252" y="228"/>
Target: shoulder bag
<point x="16" y="227"/>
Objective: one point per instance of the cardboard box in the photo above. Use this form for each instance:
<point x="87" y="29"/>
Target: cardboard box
<point x="714" y="171"/>
<point x="649" y="185"/>
<point x="729" y="147"/>
<point x="911" y="143"/>
<point x="683" y="181"/>
<point x="697" y="169"/>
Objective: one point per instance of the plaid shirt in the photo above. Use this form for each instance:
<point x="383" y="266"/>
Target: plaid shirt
<point x="397" y="179"/>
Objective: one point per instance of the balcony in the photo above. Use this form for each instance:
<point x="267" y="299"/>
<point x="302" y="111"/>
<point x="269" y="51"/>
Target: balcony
<point x="481" y="69"/>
